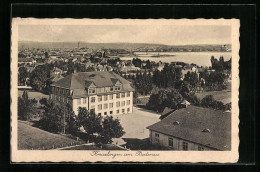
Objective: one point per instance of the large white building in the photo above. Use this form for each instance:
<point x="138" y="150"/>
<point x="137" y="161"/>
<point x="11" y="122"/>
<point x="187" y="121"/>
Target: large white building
<point x="104" y="93"/>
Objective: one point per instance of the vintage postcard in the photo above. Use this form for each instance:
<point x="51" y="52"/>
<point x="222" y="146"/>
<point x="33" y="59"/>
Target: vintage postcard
<point x="124" y="90"/>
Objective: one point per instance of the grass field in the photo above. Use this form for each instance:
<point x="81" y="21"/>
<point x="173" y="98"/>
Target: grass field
<point x="223" y="96"/>
<point x="33" y="94"/>
<point x="34" y="138"/>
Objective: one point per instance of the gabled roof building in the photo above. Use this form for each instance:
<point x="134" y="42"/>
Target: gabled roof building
<point x="105" y="93"/>
<point x="193" y="128"/>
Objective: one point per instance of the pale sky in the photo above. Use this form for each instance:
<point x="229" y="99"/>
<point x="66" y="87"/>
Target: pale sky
<point x="166" y="34"/>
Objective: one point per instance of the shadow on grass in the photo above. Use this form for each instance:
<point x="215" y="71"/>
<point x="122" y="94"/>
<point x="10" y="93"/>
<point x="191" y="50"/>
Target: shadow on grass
<point x="141" y="144"/>
<point x="146" y="109"/>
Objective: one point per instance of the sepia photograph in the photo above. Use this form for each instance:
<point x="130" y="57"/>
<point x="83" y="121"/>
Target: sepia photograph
<point x="124" y="90"/>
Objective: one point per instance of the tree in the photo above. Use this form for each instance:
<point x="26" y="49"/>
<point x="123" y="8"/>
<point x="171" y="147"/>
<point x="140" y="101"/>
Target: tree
<point x="137" y="62"/>
<point x="46" y="54"/>
<point x="111" y="128"/>
<point x="169" y="97"/>
<point x="143" y="83"/>
<point x="192" y="78"/>
<point x="209" y="102"/>
<point x="58" y="118"/>
<point x="92" y="59"/>
<point x="71" y="67"/>
<point x="26" y="107"/>
<point x="22" y="75"/>
<point x="40" y="78"/>
<point x="89" y="121"/>
<point x="168" y="77"/>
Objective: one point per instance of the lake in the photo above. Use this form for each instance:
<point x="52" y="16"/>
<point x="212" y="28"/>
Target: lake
<point x="199" y="58"/>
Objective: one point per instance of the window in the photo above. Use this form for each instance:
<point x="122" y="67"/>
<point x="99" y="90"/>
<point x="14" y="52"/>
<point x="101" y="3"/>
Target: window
<point x="200" y="148"/>
<point x="117" y="104"/>
<point x="84" y="100"/>
<point x="123" y="103"/>
<point x="111" y="97"/>
<point x="110" y="105"/>
<point x="117" y="111"/>
<point x="100" y="107"/>
<point x="91" y="90"/>
<point x="99" y="114"/>
<point x="105" y="98"/>
<point x="99" y="98"/>
<point x="123" y="95"/>
<point x="111" y="88"/>
<point x="118" y="95"/>
<point x="111" y="112"/>
<point x="123" y="110"/>
<point x="92" y="110"/>
<point x="170" y="142"/>
<point x="78" y="101"/>
<point x="117" y="88"/>
<point x="185" y="146"/>
<point x="128" y="109"/>
<point x="105" y="106"/>
<point x="92" y="99"/>
<point x="128" y="102"/>
<point x="105" y="113"/>
<point x="128" y="94"/>
<point x="157" y="137"/>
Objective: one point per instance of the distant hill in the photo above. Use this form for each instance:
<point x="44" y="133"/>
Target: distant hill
<point x="30" y="44"/>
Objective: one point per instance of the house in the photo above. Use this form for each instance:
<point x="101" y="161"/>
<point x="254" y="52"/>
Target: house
<point x="193" y="128"/>
<point x="104" y="93"/>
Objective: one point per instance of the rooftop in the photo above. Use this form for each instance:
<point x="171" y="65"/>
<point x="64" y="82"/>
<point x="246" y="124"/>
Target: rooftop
<point x="79" y="81"/>
<point x="193" y="121"/>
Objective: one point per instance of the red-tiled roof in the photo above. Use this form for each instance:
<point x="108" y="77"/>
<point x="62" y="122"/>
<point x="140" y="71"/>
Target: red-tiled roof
<point x="193" y="120"/>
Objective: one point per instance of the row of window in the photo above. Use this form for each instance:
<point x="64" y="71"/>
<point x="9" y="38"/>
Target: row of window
<point x="60" y="99"/>
<point x="111" y="105"/>
<point x="117" y="111"/>
<point x="102" y="90"/>
<point x="170" y="143"/>
<point x="57" y="90"/>
<point x="105" y="98"/>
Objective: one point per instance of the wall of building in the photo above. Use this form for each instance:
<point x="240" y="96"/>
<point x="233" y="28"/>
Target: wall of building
<point x="61" y="95"/>
<point x="114" y="109"/>
<point x="177" y="143"/>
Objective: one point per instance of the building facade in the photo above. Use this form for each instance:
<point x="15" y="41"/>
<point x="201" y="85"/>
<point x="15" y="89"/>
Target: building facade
<point x="175" y="143"/>
<point x="104" y="93"/>
<point x="193" y="128"/>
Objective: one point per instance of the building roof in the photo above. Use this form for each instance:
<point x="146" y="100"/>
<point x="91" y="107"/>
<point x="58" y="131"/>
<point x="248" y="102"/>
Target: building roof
<point x="79" y="81"/>
<point x="192" y="121"/>
<point x="166" y="112"/>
